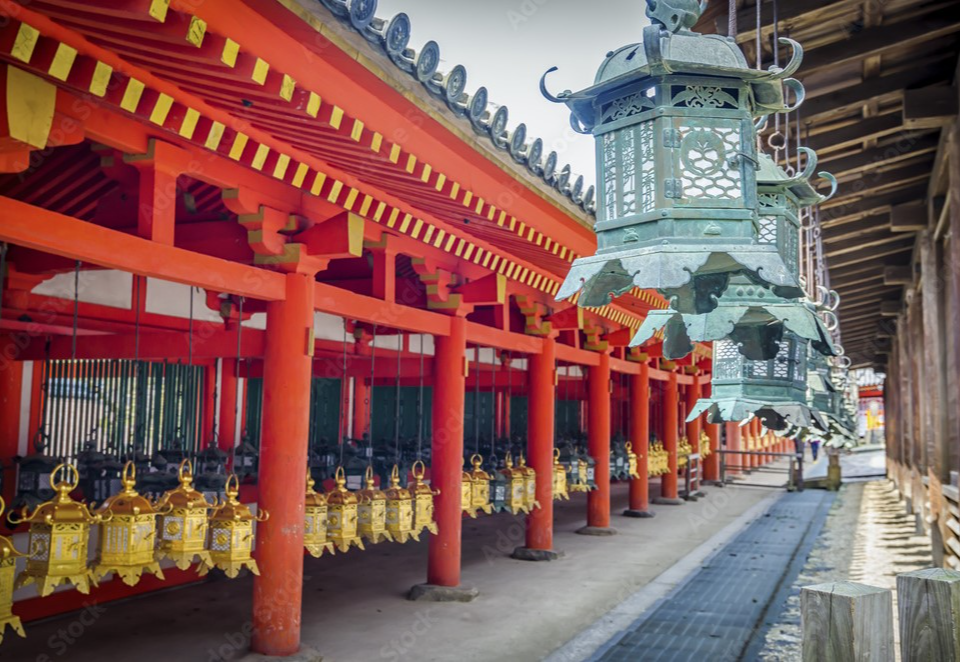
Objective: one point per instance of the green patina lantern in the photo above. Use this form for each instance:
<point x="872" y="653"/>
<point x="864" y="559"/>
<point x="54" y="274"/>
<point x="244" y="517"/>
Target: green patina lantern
<point x="674" y="122"/>
<point x="826" y="394"/>
<point x="775" y="391"/>
<point x="751" y="314"/>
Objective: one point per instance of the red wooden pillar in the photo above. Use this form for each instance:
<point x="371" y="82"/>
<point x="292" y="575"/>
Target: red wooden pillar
<point x="447" y="462"/>
<point x="669" y="480"/>
<point x="11" y="385"/>
<point x="753" y="429"/>
<point x="361" y="390"/>
<point x="639" y="505"/>
<point x="599" y="447"/>
<point x="712" y="463"/>
<point x="732" y="431"/>
<point x="283" y="463"/>
<point x="540" y="453"/>
<point x="227" y="429"/>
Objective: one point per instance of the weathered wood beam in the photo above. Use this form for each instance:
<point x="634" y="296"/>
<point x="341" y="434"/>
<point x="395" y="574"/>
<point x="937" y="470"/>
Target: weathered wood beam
<point x="855" y="133"/>
<point x="898" y="275"/>
<point x="857" y="245"/>
<point x="929" y="108"/>
<point x="865" y="257"/>
<point x="906" y="146"/>
<point x="909" y="217"/>
<point x="856" y="209"/>
<point x="860" y="44"/>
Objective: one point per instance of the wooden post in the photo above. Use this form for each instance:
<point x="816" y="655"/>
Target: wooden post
<point x="843" y="621"/>
<point x="928" y="615"/>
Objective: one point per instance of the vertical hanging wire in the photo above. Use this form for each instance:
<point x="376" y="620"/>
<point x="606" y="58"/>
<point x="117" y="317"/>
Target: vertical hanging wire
<point x="370" y="401"/>
<point x="476" y="407"/>
<point x="420" y="402"/>
<point x="400" y="346"/>
<point x="240" y="326"/>
<point x="345" y="387"/>
<point x="732" y="19"/>
<point x="3" y="272"/>
<point x="76" y="309"/>
<point x="510" y="392"/>
<point x="493" y="401"/>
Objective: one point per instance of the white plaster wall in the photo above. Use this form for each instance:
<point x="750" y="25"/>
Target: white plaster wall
<point x="106" y="288"/>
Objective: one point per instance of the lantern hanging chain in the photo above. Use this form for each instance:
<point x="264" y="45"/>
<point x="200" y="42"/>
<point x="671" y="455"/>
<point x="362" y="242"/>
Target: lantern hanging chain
<point x="420" y="402"/>
<point x="370" y="401"/>
<point x="510" y="393"/>
<point x="476" y="398"/>
<point x="757" y="35"/>
<point x="493" y="398"/>
<point x="344" y="386"/>
<point x="775" y="52"/>
<point x="76" y="309"/>
<point x="732" y="19"/>
<point x="400" y="346"/>
<point x="240" y="328"/>
<point x="136" y="431"/>
<point x="190" y="329"/>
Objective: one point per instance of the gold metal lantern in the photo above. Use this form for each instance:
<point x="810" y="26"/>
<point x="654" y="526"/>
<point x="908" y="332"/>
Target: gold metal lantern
<point x="8" y="570"/>
<point x="315" y="521"/>
<point x="183" y="522"/>
<point x="400" y="509"/>
<point x="423" y="501"/>
<point x="657" y="460"/>
<point x="516" y="501"/>
<point x="560" y="478"/>
<point x="232" y="533"/>
<point x="372" y="511"/>
<point x="342" y="515"/>
<point x="684" y="450"/>
<point x="480" y="486"/>
<point x="579" y="482"/>
<point x="59" y="532"/>
<point x="128" y="533"/>
<point x="530" y="483"/>
<point x="705" y="445"/>
<point x="631" y="460"/>
<point x="467" y="494"/>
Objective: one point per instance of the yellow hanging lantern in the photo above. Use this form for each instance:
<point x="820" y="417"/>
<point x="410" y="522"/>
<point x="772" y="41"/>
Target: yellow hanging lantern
<point x="480" y="486"/>
<point x="631" y="460"/>
<point x="516" y="500"/>
<point x="315" y="521"/>
<point x="559" y="484"/>
<point x="342" y="515"/>
<point x="372" y="511"/>
<point x="8" y="568"/>
<point x="232" y="533"/>
<point x="128" y="534"/>
<point x="183" y="522"/>
<point x="657" y="464"/>
<point x="467" y="494"/>
<point x="683" y="451"/>
<point x="530" y="483"/>
<point x="423" y="501"/>
<point x="400" y="509"/>
<point x="705" y="445"/>
<point x="59" y="531"/>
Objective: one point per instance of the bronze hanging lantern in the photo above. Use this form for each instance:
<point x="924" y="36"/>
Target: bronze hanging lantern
<point x="751" y="314"/>
<point x="467" y="494"/>
<point x="342" y="515"/>
<point x="631" y="461"/>
<point x="128" y="533"/>
<point x="183" y="522"/>
<point x="59" y="533"/>
<point x="232" y="533"/>
<point x="400" y="509"/>
<point x="315" y="521"/>
<point x="372" y="511"/>
<point x="423" y="500"/>
<point x="673" y="120"/>
<point x="8" y="570"/>
<point x="775" y="391"/>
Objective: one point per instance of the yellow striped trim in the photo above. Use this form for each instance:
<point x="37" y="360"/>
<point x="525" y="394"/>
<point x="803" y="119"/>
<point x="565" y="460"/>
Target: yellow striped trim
<point x="161" y="109"/>
<point x="260" y="157"/>
<point x="63" y="61"/>
<point x="131" y="95"/>
<point x="300" y="174"/>
<point x="25" y="42"/>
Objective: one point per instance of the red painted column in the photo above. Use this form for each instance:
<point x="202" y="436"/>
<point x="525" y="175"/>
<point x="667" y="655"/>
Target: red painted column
<point x="227" y="429"/>
<point x="11" y="385"/>
<point x="210" y="389"/>
<point x="447" y="454"/>
<point x="639" y="505"/>
<point x="712" y="464"/>
<point x="669" y="480"/>
<point x="733" y="433"/>
<point x="283" y="463"/>
<point x="540" y="444"/>
<point x="599" y="444"/>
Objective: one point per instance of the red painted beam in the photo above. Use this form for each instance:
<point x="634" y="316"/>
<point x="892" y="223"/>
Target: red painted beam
<point x="40" y="229"/>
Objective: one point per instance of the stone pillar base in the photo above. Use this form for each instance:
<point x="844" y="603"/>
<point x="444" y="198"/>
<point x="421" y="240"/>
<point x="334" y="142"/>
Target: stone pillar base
<point x="667" y="501"/>
<point x="434" y="593"/>
<point x="596" y="531"/>
<point x="637" y="513"/>
<point x="528" y="554"/>
<point x="305" y="654"/>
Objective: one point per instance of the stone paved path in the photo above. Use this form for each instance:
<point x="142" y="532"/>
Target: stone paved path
<point x="721" y="609"/>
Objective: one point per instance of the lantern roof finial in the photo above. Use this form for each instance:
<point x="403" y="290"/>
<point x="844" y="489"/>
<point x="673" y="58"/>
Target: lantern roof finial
<point x="676" y="15"/>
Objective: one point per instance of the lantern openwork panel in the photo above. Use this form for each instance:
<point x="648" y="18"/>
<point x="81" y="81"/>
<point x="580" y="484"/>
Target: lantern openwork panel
<point x="315" y="521"/>
<point x="232" y="533"/>
<point x="423" y="496"/>
<point x="182" y="534"/>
